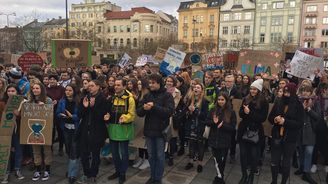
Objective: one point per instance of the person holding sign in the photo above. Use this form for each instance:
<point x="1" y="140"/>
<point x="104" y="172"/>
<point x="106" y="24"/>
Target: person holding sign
<point x="67" y="113"/>
<point x="12" y="90"/>
<point x="92" y="131"/>
<point x="38" y="96"/>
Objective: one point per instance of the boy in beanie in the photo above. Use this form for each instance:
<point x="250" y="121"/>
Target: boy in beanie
<point x="16" y="76"/>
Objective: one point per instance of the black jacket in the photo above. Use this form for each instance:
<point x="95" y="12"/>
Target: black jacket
<point x="196" y="121"/>
<point x="254" y="119"/>
<point x="92" y="131"/>
<point x="294" y="118"/>
<point x="221" y="137"/>
<point x="311" y="120"/>
<point x="156" y="119"/>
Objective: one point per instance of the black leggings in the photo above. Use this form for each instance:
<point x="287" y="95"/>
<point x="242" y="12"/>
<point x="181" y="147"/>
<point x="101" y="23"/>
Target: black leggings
<point x="220" y="158"/>
<point x="143" y="154"/>
<point x="196" y="149"/>
<point x="249" y="156"/>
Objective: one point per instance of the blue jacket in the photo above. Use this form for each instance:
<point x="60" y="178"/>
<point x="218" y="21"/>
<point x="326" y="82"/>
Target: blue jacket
<point x="23" y="85"/>
<point x="61" y="109"/>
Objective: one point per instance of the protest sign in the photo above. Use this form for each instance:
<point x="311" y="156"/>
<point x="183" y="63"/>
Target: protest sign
<point x="95" y="60"/>
<point x="197" y="72"/>
<point x="8" y="120"/>
<point x="213" y="61"/>
<point x="160" y="54"/>
<point x="172" y="61"/>
<point x="144" y="59"/>
<point x="71" y="53"/>
<point x="5" y="147"/>
<point x="304" y="65"/>
<point x="252" y="62"/>
<point x="125" y="60"/>
<point x="36" y="124"/>
<point x="318" y="52"/>
<point x="28" y="59"/>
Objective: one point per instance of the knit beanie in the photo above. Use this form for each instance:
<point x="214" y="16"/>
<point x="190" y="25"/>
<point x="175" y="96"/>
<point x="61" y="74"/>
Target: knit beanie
<point x="258" y="84"/>
<point x="15" y="73"/>
<point x="291" y="88"/>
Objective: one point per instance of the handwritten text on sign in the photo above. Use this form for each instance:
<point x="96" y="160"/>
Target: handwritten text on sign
<point x="8" y="119"/>
<point x="5" y="146"/>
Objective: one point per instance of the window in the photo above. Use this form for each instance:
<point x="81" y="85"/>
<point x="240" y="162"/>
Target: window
<point x="247" y="29"/>
<point x="246" y="42"/>
<point x="121" y="41"/>
<point x="151" y="28"/>
<point x="225" y="30"/>
<point x="147" y="28"/>
<point x="263" y="21"/>
<point x="115" y="41"/>
<point x="73" y="24"/>
<point x="211" y="32"/>
<point x="248" y="16"/>
<point x="311" y="20"/>
<point x="292" y="4"/>
<point x="84" y="23"/>
<point x="99" y="29"/>
<point x="308" y="44"/>
<point x="135" y="27"/>
<point x="84" y="16"/>
<point x="324" y="45"/>
<point x="276" y="21"/>
<point x="115" y="29"/>
<point x="121" y="29"/>
<point x="185" y="20"/>
<point x="195" y="32"/>
<point x="128" y="29"/>
<point x="325" y="7"/>
<point x="226" y="17"/>
<point x="108" y="41"/>
<point x="324" y="32"/>
<point x="201" y="19"/>
<point x="237" y="16"/>
<point x="237" y="2"/>
<point x="311" y="8"/>
<point x="325" y="20"/>
<point x="200" y="32"/>
<point x="90" y="24"/>
<point x="235" y="30"/>
<point x="275" y="37"/>
<point x="135" y="42"/>
<point x="224" y="43"/>
<point x="289" y="37"/>
<point x="99" y="43"/>
<point x="278" y="5"/>
<point x="235" y="43"/>
<point x="264" y="6"/>
<point x="309" y="32"/>
<point x="198" y="19"/>
<point x="185" y="33"/>
<point x="212" y="18"/>
<point x="290" y="20"/>
<point x="262" y="38"/>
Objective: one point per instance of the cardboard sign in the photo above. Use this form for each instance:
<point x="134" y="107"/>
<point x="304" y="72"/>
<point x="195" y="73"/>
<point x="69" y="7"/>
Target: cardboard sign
<point x="160" y="54"/>
<point x="252" y="62"/>
<point x="304" y="65"/>
<point x="5" y="147"/>
<point x="71" y="53"/>
<point x="197" y="72"/>
<point x="213" y="61"/>
<point x="8" y="119"/>
<point x="172" y="61"/>
<point x="144" y="59"/>
<point x="36" y="124"/>
<point x="28" y="59"/>
<point x="125" y="60"/>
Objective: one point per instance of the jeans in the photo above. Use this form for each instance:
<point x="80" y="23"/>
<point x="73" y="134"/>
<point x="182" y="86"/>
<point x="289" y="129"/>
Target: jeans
<point x="38" y="155"/>
<point x="156" y="148"/>
<point x="173" y="146"/>
<point x="249" y="156"/>
<point x="120" y="152"/>
<point x="90" y="162"/>
<point x="220" y="158"/>
<point x="306" y="157"/>
<point x="143" y="154"/>
<point x="71" y="150"/>
<point x="18" y="151"/>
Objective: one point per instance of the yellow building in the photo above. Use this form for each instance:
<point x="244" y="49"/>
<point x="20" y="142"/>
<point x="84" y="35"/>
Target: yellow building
<point x="53" y="29"/>
<point x="199" y="25"/>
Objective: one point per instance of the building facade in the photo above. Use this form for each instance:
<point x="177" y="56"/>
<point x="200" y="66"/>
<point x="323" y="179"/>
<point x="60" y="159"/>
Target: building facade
<point x="314" y="29"/>
<point x="11" y="40"/>
<point x="277" y="24"/>
<point x="139" y="29"/>
<point x="237" y="25"/>
<point x="84" y="18"/>
<point x="53" y="29"/>
<point x="198" y="26"/>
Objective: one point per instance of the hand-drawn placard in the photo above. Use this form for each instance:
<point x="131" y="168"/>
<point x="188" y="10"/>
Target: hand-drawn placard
<point x="8" y="119"/>
<point x="36" y="124"/>
<point x="304" y="65"/>
<point x="5" y="147"/>
<point x="213" y="61"/>
<point x="172" y="61"/>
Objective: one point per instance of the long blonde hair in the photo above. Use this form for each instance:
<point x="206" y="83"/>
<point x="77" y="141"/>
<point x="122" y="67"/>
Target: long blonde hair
<point x="191" y="96"/>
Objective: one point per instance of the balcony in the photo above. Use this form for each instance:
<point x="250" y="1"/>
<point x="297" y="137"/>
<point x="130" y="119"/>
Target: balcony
<point x="310" y="26"/>
<point x="311" y="14"/>
<point x="309" y="38"/>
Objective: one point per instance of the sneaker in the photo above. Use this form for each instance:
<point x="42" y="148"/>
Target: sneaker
<point x="257" y="172"/>
<point x="19" y="175"/>
<point x="138" y="163"/>
<point x="83" y="180"/>
<point x="46" y="176"/>
<point x="5" y="179"/>
<point x="314" y="168"/>
<point x="144" y="165"/>
<point x="114" y="176"/>
<point x="189" y="166"/>
<point x="36" y="176"/>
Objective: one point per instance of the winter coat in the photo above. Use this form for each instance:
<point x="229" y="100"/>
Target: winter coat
<point x="255" y="118"/>
<point x="157" y="118"/>
<point x="294" y="118"/>
<point x="221" y="137"/>
<point x="61" y="107"/>
<point x="311" y="120"/>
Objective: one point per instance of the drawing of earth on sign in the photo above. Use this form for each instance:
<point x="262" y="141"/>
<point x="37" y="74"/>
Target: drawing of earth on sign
<point x="36" y="126"/>
<point x="71" y="53"/>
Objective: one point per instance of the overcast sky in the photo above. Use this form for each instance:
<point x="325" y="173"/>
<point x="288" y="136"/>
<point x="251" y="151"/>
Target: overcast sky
<point x="44" y="9"/>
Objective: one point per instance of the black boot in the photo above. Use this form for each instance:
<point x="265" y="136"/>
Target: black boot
<point x="285" y="174"/>
<point x="307" y="177"/>
<point x="250" y="178"/>
<point x="243" y="179"/>
<point x="121" y="179"/>
<point x="274" y="174"/>
<point x="181" y="151"/>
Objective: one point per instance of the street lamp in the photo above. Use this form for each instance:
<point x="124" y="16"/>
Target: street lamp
<point x="67" y="34"/>
<point x="8" y="14"/>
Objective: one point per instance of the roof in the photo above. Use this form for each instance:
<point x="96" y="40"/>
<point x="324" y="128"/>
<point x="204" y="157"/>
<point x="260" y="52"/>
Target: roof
<point x="109" y="15"/>
<point x="34" y="24"/>
<point x="210" y="3"/>
<point x="55" y="22"/>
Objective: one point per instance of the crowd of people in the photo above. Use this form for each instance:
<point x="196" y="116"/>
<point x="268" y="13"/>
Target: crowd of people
<point x="177" y="113"/>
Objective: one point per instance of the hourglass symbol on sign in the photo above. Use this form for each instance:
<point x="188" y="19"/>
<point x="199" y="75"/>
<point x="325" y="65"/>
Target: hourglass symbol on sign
<point x="36" y="136"/>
